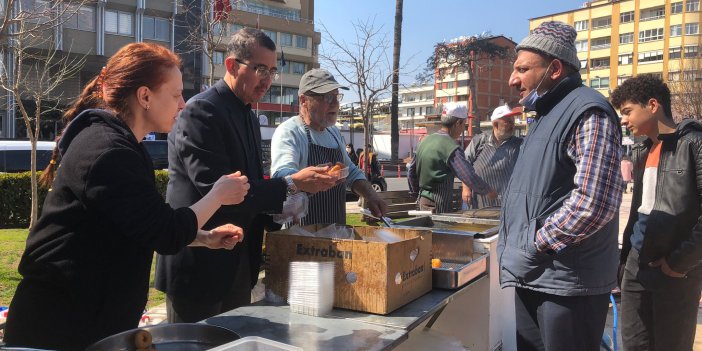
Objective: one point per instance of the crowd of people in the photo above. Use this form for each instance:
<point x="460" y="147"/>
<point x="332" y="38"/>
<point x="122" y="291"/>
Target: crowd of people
<point x="86" y="264"/>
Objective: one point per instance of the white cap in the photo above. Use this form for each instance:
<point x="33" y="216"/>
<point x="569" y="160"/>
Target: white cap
<point x="455" y="109"/>
<point x="503" y="111"/>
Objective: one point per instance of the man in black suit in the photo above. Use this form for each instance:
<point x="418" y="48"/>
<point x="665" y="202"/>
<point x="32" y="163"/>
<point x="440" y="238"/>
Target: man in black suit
<point x="216" y="134"/>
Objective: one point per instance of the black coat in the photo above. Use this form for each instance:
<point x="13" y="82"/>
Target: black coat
<point x="674" y="227"/>
<point x="87" y="261"/>
<point x="217" y="134"/>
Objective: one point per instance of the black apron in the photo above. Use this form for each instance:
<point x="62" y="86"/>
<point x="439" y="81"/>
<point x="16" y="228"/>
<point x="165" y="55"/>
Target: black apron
<point x="325" y="206"/>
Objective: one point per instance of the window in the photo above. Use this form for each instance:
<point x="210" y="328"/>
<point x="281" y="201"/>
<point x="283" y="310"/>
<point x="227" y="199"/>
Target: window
<point x="600" y="43"/>
<point x="298" y="68"/>
<point x="583" y="65"/>
<point x="651" y="56"/>
<point x="462" y="98"/>
<point x="691" y="75"/>
<point x="301" y="41"/>
<point x="218" y="57"/>
<point x="652" y="13"/>
<point x="430" y="110"/>
<point x="156" y="28"/>
<point x="676" y="30"/>
<point x="622" y="79"/>
<point x="271" y="34"/>
<point x="692" y="28"/>
<point x="626" y="38"/>
<point x="463" y="83"/>
<point x="82" y="18"/>
<point x="692" y="5"/>
<point x="581" y="25"/>
<point x="410" y="112"/>
<point x="283" y="69"/>
<point x="650" y="35"/>
<point x="581" y="45"/>
<point x="673" y="76"/>
<point x="450" y="85"/>
<point x="601" y="22"/>
<point x="599" y="83"/>
<point x="626" y="59"/>
<point x="676" y="7"/>
<point x="675" y="53"/>
<point x="119" y="22"/>
<point x="285" y="39"/>
<point x="599" y="63"/>
<point x="691" y="51"/>
<point x="626" y="17"/>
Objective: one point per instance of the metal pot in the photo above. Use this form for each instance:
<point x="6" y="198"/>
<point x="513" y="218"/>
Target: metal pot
<point x="180" y="336"/>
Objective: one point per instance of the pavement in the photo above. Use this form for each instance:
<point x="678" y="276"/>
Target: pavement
<point x="157" y="314"/>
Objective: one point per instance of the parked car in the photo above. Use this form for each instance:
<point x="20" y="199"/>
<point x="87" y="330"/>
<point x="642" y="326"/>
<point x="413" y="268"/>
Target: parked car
<point x="158" y="150"/>
<point x="15" y="155"/>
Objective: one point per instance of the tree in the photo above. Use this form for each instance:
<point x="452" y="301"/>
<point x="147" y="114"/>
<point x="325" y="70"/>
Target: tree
<point x="207" y="26"/>
<point x="35" y="68"/>
<point x="364" y="65"/>
<point x="686" y="89"/>
<point x="469" y="53"/>
<point x="394" y="121"/>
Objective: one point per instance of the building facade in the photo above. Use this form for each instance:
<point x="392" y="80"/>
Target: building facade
<point x="416" y="102"/>
<point x="93" y="30"/>
<point x="620" y="39"/>
<point x="491" y="75"/>
<point x="290" y="24"/>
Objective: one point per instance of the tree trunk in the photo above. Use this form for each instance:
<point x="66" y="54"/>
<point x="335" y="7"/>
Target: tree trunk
<point x="394" y="121"/>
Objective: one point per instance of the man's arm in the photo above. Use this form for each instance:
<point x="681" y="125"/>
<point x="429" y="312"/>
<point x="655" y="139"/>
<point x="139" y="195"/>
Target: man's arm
<point x="412" y="179"/>
<point x="688" y="254"/>
<point x="287" y="152"/>
<point x="364" y="189"/>
<point x="594" y="148"/>
<point x="199" y="144"/>
<point x="466" y="173"/>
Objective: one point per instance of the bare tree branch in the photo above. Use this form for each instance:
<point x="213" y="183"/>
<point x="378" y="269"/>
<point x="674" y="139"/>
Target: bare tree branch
<point x="686" y="89"/>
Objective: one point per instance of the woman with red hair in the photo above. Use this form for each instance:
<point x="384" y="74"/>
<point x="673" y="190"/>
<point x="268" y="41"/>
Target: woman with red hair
<point x="87" y="260"/>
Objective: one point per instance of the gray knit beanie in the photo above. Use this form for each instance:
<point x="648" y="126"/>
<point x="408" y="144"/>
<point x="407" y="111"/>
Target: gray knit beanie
<point x="553" y="38"/>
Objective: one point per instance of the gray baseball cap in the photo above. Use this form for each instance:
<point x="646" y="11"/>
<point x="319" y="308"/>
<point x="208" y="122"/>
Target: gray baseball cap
<point x="319" y="81"/>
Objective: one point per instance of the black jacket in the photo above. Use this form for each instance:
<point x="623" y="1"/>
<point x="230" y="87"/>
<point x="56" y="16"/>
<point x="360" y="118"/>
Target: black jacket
<point x="674" y="228"/>
<point x="87" y="261"/>
<point x="217" y="134"/>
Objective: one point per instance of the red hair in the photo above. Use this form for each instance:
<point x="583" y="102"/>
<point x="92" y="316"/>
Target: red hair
<point x="135" y="65"/>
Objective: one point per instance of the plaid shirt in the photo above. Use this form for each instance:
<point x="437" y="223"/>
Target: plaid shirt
<point x="594" y="148"/>
<point x="458" y="164"/>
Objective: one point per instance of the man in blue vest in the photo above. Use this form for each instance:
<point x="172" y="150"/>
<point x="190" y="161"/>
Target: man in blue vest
<point x="558" y="232"/>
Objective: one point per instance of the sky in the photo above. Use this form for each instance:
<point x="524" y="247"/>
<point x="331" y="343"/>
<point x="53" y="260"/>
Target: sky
<point x="426" y="23"/>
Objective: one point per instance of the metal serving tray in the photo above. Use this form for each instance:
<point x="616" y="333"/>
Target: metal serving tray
<point x="453" y="224"/>
<point x="179" y="336"/>
<point x="460" y="263"/>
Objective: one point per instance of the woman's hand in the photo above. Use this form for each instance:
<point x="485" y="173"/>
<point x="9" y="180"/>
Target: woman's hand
<point x="223" y="237"/>
<point x="231" y="189"/>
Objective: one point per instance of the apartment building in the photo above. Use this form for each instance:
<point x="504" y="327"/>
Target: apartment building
<point x="95" y="30"/>
<point x="416" y="102"/>
<point x="491" y="75"/>
<point x="289" y="23"/>
<point x="620" y="39"/>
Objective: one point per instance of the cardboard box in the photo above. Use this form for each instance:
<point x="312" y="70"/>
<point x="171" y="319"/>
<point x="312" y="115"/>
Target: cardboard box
<point x="376" y="277"/>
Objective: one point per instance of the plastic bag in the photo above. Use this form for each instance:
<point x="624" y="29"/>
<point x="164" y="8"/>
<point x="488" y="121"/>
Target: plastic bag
<point x="294" y="208"/>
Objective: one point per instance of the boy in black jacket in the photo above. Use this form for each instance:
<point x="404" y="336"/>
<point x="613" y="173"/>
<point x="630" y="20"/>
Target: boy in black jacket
<point x="662" y="245"/>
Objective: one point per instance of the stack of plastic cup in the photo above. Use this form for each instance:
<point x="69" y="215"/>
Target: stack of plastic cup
<point x="311" y="288"/>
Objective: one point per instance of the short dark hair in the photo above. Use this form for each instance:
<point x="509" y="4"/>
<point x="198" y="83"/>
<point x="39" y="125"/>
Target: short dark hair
<point x="244" y="41"/>
<point x="640" y="89"/>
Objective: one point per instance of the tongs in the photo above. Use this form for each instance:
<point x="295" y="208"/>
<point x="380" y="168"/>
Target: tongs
<point x="386" y="221"/>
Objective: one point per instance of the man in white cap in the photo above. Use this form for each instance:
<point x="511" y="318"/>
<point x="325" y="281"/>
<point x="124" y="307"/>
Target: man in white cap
<point x="558" y="228"/>
<point x="439" y="159"/>
<point x="493" y="155"/>
<point x="311" y="139"/>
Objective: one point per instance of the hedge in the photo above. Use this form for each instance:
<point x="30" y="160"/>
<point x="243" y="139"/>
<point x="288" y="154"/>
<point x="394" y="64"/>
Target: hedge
<point x="16" y="203"/>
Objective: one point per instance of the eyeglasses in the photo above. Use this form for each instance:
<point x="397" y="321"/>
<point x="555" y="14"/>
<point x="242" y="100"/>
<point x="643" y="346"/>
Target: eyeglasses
<point x="261" y="70"/>
<point x="329" y="97"/>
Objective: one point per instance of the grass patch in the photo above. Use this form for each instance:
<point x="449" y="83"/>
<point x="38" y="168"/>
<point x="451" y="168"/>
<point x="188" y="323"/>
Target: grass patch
<point x="12" y="242"/>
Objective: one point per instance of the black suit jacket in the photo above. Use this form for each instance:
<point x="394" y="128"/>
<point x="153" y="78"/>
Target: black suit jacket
<point x="217" y="134"/>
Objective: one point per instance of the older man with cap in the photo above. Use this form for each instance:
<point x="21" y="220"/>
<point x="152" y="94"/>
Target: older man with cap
<point x="493" y="155"/>
<point x="312" y="138"/>
<point x="558" y="229"/>
<point x="439" y="159"/>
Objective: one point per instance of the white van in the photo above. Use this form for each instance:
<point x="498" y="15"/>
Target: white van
<point x="15" y="155"/>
